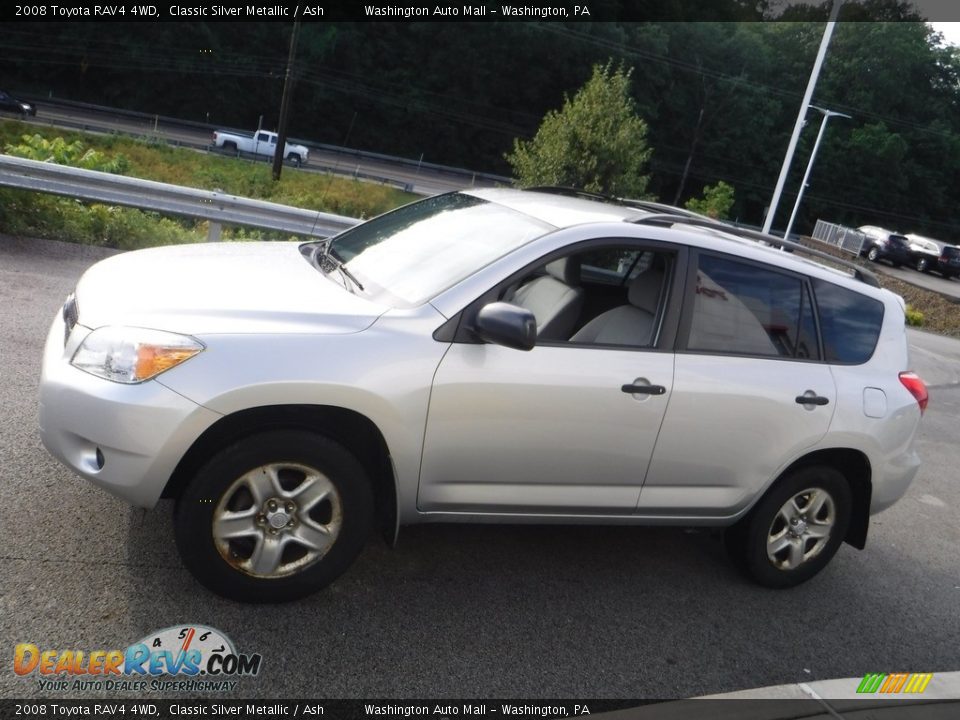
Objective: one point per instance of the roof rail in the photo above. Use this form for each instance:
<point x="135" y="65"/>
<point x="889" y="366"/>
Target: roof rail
<point x="669" y="215"/>
<point x="650" y="206"/>
<point x="665" y="219"/>
<point x="571" y="192"/>
<point x="659" y="207"/>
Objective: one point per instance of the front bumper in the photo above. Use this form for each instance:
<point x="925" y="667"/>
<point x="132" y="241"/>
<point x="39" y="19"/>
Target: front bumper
<point x="127" y="439"/>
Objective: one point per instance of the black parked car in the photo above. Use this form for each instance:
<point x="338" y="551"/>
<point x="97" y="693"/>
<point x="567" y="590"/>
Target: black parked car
<point x="881" y="244"/>
<point x="934" y="256"/>
<point x="948" y="264"/>
<point x="9" y="103"/>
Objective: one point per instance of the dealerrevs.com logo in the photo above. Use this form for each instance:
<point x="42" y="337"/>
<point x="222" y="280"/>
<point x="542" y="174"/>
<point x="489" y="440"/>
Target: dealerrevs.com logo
<point x="199" y="658"/>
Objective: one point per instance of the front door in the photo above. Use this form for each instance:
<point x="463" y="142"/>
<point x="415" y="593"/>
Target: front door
<point x="570" y="426"/>
<point x="547" y="431"/>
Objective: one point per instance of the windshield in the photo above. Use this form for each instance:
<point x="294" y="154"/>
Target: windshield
<point x="411" y="254"/>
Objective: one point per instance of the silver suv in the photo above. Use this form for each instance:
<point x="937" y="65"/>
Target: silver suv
<point x="486" y="356"/>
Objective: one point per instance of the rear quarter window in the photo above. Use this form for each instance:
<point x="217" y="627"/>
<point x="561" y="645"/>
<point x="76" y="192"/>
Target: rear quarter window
<point x="849" y="323"/>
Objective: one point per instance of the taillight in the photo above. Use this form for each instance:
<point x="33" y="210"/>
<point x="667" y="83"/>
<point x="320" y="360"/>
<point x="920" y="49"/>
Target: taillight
<point x="912" y="382"/>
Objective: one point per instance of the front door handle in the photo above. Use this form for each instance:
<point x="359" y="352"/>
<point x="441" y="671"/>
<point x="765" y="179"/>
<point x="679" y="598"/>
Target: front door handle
<point x="643" y="389"/>
<point x="812" y="400"/>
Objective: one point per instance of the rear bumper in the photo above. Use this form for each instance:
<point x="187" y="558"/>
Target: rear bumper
<point x="892" y="479"/>
<point x="127" y="439"/>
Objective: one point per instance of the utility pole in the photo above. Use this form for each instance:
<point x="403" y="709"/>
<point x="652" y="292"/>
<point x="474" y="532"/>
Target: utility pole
<point x="285" y="104"/>
<point x="798" y="126"/>
<point x="827" y="114"/>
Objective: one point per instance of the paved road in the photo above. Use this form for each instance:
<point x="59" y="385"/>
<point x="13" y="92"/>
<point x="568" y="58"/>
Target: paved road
<point x="471" y="611"/>
<point x="423" y="180"/>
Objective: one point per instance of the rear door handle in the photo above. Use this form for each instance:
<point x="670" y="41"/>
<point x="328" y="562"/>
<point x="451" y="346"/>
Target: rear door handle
<point x="644" y="389"/>
<point x="812" y="400"/>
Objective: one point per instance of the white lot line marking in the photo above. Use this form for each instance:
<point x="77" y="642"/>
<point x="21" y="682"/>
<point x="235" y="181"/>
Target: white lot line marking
<point x="812" y="693"/>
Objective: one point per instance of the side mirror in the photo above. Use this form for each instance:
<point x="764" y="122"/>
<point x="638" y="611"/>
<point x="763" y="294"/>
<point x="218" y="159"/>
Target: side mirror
<point x="507" y="325"/>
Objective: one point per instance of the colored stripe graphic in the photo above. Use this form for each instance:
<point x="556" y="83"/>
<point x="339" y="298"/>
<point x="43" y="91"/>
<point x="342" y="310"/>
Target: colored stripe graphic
<point x="918" y="682"/>
<point x="894" y="682"/>
<point x="890" y="683"/>
<point x="871" y="682"/>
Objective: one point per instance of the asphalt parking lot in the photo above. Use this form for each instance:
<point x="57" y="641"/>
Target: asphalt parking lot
<point x="470" y="611"/>
<point x="928" y="281"/>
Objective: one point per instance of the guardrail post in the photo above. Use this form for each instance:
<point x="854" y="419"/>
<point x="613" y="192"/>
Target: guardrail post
<point x="213" y="231"/>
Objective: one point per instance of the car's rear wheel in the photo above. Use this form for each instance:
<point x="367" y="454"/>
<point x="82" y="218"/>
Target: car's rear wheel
<point x="922" y="264"/>
<point x="275" y="517"/>
<point x="796" y="528"/>
<point x="873" y="254"/>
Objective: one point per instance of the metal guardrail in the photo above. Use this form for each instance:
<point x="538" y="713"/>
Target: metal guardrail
<point x="844" y="238"/>
<point x="216" y="207"/>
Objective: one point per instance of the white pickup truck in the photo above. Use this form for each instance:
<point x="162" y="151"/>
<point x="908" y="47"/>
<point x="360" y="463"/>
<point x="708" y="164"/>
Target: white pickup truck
<point x="261" y="142"/>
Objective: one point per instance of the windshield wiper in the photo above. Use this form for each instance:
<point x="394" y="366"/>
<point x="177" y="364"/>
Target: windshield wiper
<point x="326" y="258"/>
<point x="347" y="274"/>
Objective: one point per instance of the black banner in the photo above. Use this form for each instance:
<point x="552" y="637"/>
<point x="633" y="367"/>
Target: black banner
<point x="875" y="708"/>
<point x="417" y="11"/>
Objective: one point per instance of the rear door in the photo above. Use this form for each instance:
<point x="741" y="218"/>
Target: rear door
<point x="749" y="389"/>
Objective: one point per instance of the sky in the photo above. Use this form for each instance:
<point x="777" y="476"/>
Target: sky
<point x="950" y="30"/>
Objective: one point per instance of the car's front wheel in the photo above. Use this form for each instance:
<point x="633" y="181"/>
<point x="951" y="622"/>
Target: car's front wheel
<point x="796" y="528"/>
<point x="922" y="264"/>
<point x="274" y="517"/>
<point x="873" y="254"/>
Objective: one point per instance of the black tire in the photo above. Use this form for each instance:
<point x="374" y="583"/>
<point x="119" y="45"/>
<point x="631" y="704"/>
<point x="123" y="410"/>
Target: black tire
<point x="224" y="488"/>
<point x="873" y="254"/>
<point x="747" y="541"/>
<point x="922" y="265"/>
<point x="295" y="159"/>
<point x="230" y="146"/>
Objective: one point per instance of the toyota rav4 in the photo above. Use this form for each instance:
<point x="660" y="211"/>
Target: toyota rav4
<point x="499" y="356"/>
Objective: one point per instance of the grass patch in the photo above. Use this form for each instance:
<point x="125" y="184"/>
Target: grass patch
<point x="31" y="214"/>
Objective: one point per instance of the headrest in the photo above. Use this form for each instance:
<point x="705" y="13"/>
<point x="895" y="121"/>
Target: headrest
<point x="644" y="291"/>
<point x="566" y="270"/>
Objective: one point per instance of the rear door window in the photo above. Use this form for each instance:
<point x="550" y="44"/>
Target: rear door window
<point x="742" y="308"/>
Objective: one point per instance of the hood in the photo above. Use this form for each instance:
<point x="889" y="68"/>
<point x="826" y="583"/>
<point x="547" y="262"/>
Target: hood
<point x="262" y="287"/>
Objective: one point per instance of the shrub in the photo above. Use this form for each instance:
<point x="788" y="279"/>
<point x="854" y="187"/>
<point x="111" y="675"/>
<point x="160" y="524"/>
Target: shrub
<point x="914" y="317"/>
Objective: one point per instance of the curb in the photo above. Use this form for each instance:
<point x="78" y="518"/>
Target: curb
<point x="943" y="686"/>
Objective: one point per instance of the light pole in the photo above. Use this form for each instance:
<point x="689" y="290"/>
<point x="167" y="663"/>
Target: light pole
<point x="798" y="125"/>
<point x="827" y="114"/>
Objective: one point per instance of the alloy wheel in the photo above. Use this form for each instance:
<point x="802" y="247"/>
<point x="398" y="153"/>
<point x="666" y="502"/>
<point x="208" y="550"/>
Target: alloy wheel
<point x="801" y="528"/>
<point x="277" y="520"/>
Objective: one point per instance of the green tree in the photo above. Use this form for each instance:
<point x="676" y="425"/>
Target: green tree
<point x="596" y="142"/>
<point x="716" y="201"/>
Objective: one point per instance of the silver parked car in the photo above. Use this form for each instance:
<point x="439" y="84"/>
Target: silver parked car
<point x="485" y="356"/>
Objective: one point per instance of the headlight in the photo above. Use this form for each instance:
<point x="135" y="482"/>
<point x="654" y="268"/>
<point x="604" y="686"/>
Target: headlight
<point x="132" y="355"/>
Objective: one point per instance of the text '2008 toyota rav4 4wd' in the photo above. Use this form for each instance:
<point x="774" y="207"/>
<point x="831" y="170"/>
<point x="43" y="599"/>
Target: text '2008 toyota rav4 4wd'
<point x="485" y="356"/>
